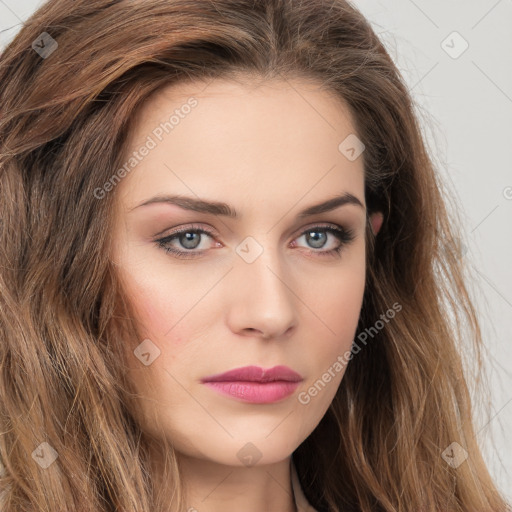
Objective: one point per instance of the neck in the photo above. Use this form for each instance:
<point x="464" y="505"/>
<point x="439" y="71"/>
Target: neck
<point x="212" y="487"/>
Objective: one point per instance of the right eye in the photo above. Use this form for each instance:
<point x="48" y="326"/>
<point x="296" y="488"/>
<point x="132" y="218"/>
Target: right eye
<point x="189" y="237"/>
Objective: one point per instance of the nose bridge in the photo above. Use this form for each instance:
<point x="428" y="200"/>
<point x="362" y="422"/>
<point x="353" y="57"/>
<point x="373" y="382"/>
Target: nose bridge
<point x="263" y="299"/>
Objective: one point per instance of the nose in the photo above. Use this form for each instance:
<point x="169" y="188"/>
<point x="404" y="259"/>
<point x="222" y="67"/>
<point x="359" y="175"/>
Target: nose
<point x="261" y="297"/>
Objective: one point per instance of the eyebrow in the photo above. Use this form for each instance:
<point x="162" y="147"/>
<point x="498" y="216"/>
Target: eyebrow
<point x="223" y="209"/>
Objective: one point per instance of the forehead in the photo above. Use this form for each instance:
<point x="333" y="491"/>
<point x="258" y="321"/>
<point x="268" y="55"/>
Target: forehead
<point x="232" y="101"/>
<point x="275" y="140"/>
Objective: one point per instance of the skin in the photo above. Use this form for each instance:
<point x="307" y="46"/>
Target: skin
<point x="269" y="151"/>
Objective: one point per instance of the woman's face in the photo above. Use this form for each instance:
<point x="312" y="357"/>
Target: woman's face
<point x="264" y="288"/>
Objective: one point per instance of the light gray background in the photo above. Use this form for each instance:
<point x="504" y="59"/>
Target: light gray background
<point x="465" y="104"/>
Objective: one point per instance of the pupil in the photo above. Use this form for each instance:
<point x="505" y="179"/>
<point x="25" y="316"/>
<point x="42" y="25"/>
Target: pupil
<point x="189" y="242"/>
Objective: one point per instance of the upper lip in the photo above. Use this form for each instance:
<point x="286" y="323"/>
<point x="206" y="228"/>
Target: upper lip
<point x="256" y="374"/>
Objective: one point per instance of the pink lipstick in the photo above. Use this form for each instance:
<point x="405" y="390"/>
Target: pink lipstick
<point x="255" y="384"/>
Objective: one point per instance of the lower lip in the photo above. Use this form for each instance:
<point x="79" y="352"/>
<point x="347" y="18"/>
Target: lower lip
<point x="255" y="392"/>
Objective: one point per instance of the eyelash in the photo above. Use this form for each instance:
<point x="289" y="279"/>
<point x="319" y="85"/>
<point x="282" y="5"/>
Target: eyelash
<point x="345" y="236"/>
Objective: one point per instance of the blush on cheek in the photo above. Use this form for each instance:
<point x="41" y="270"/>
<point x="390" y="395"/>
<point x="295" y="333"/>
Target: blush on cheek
<point x="157" y="319"/>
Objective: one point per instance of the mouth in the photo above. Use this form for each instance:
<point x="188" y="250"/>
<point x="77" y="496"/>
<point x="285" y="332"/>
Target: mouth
<point x="255" y="384"/>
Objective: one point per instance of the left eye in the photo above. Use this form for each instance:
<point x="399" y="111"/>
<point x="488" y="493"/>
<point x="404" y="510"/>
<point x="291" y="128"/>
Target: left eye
<point x="190" y="237"/>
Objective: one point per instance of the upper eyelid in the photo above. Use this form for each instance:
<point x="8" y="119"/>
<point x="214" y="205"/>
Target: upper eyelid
<point x="213" y="232"/>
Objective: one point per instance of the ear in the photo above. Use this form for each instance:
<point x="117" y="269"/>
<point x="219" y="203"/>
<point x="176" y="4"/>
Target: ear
<point x="376" y="220"/>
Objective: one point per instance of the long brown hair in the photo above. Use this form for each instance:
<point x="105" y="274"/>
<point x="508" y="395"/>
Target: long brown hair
<point x="71" y="84"/>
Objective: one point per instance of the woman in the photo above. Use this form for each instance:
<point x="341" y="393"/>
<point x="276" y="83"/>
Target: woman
<point x="227" y="269"/>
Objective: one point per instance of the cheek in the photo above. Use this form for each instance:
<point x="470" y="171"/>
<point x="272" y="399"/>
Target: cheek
<point x="345" y="310"/>
<point x="328" y="361"/>
<point x="338" y="301"/>
<point x="156" y="304"/>
<point x="164" y="316"/>
<point x="339" y="309"/>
